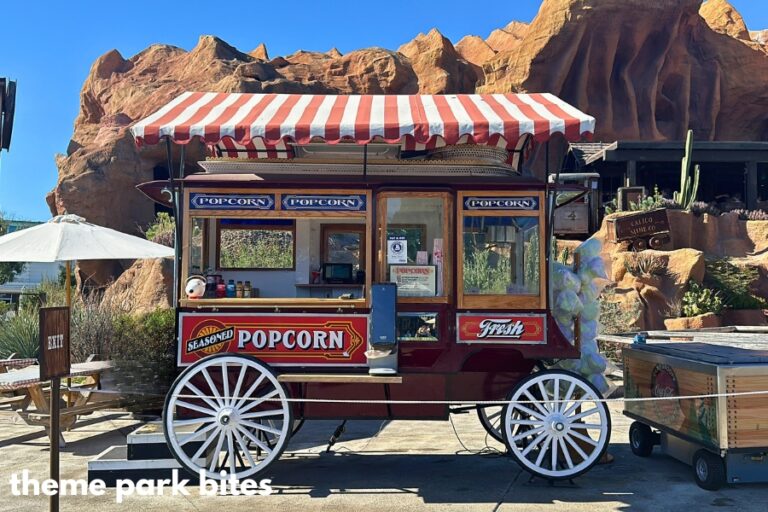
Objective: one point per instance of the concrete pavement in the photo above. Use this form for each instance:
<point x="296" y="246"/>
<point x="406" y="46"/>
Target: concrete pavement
<point x="387" y="466"/>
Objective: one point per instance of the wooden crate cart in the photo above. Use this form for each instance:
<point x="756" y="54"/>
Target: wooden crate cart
<point x="724" y="438"/>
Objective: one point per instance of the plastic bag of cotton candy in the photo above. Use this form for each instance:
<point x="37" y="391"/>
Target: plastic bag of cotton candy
<point x="567" y="303"/>
<point x="576" y="295"/>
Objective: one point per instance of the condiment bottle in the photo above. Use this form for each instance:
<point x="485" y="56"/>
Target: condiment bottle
<point x="247" y="290"/>
<point x="221" y="290"/>
<point x="231" y="289"/>
<point x="239" y="290"/>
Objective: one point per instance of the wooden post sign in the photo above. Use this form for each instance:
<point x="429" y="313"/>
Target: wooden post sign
<point x="54" y="342"/>
<point x="54" y="364"/>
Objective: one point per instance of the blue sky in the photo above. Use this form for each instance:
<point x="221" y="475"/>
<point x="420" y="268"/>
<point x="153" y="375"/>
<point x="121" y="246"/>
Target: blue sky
<point x="49" y="49"/>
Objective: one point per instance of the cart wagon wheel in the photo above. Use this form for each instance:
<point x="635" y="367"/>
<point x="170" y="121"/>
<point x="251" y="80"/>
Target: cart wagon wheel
<point x="555" y="426"/>
<point x="227" y="415"/>
<point x="708" y="470"/>
<point x="642" y="439"/>
<point x="656" y="242"/>
<point x="491" y="416"/>
<point x="640" y="244"/>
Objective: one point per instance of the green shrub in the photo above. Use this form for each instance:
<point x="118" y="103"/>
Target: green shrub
<point x="699" y="208"/>
<point x="734" y="284"/>
<point x="641" y="264"/>
<point x="162" y="230"/>
<point x="699" y="300"/>
<point x="256" y="248"/>
<point x="47" y="293"/>
<point x="646" y="203"/>
<point x="93" y="326"/>
<point x="144" y="351"/>
<point x="481" y="276"/>
<point x="19" y="334"/>
<point x="750" y="214"/>
<point x="616" y="317"/>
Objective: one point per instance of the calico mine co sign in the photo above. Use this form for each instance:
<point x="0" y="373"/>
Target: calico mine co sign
<point x="280" y="340"/>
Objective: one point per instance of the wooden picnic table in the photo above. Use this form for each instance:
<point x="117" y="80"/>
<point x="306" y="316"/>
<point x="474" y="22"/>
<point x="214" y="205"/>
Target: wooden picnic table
<point x="10" y="363"/>
<point x="29" y="389"/>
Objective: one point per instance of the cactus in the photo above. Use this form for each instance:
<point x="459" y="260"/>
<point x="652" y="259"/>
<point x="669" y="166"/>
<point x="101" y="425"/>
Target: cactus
<point x="689" y="185"/>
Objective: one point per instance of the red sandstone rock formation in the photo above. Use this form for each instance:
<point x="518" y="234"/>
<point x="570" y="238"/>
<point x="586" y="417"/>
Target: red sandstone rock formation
<point x="260" y="52"/>
<point x="475" y="50"/>
<point x="509" y="37"/>
<point x="721" y="17"/>
<point x="645" y="70"/>
<point x="438" y="65"/>
<point x="759" y="36"/>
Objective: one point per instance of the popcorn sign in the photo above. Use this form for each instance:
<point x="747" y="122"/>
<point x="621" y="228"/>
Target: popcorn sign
<point x="278" y="339"/>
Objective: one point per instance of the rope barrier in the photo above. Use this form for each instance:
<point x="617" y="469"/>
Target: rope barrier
<point x="438" y="402"/>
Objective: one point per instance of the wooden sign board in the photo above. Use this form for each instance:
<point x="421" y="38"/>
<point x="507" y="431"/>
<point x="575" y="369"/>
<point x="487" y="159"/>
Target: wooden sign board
<point x="640" y="224"/>
<point x="54" y="342"/>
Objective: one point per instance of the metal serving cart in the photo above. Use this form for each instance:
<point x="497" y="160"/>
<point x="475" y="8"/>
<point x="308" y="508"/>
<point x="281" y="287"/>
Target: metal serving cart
<point x="722" y="431"/>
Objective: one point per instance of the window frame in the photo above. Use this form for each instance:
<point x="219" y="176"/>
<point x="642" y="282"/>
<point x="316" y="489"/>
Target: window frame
<point x="291" y="229"/>
<point x="277" y="213"/>
<point x="204" y="245"/>
<point x="329" y="228"/>
<point x="500" y="301"/>
<point x="448" y="235"/>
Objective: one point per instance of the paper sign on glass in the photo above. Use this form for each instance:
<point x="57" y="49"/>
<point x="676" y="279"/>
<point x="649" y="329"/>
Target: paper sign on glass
<point x="397" y="250"/>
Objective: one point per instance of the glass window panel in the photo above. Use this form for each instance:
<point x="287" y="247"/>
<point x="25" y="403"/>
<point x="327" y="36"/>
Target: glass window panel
<point x="344" y="247"/>
<point x="501" y="255"/>
<point x="417" y="327"/>
<point x="415" y="241"/>
<point x="197" y="246"/>
<point x="252" y="247"/>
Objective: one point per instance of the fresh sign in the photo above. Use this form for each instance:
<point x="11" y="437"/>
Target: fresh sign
<point x="527" y="329"/>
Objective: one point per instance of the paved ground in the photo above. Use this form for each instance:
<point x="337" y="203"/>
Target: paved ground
<point x="407" y="466"/>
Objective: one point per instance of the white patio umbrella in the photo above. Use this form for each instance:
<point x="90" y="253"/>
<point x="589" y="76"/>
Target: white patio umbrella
<point x="68" y="238"/>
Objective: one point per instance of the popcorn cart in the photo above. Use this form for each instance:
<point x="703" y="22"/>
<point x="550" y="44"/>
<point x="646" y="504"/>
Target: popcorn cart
<point x="367" y="257"/>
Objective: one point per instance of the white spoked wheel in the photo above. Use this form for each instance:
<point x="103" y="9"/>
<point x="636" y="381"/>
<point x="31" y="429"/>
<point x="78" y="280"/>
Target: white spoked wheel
<point x="227" y="415"/>
<point x="555" y="426"/>
<point x="491" y="417"/>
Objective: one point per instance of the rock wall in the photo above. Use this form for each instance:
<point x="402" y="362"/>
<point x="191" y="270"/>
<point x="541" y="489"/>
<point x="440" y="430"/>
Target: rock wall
<point x="651" y="299"/>
<point x="645" y="70"/>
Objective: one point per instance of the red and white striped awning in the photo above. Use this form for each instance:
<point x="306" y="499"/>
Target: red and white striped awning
<point x="263" y="124"/>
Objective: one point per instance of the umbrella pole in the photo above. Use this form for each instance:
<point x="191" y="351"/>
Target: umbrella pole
<point x="68" y="288"/>
<point x="67" y="285"/>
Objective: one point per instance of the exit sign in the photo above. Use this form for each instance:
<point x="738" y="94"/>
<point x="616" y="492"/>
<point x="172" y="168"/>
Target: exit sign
<point x="54" y="342"/>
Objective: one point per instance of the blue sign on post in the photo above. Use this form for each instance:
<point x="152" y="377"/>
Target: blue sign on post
<point x="325" y="202"/>
<point x="501" y="203"/>
<point x="205" y="201"/>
